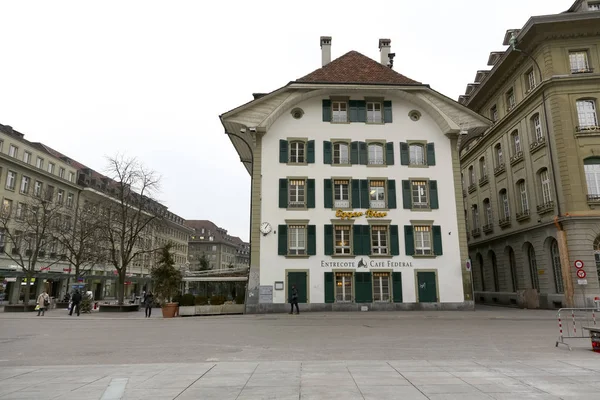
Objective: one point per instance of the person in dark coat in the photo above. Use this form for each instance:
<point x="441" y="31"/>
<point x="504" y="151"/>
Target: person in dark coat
<point x="148" y="303"/>
<point x="294" y="300"/>
<point x="76" y="301"/>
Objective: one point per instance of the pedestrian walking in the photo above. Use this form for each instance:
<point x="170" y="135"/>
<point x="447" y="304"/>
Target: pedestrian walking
<point x="148" y="303"/>
<point x="43" y="302"/>
<point x="75" y="302"/>
<point x="294" y="300"/>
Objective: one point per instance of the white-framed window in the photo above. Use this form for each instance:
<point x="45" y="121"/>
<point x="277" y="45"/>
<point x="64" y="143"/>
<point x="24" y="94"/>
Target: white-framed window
<point x="472" y="177"/>
<point x="494" y="113"/>
<point x="61" y="172"/>
<point x="416" y="154"/>
<point x="592" y="178"/>
<point x="420" y="198"/>
<point x="516" y="140"/>
<point x="376" y="194"/>
<point x="26" y="157"/>
<point x="343" y="287"/>
<point x="374" y="113"/>
<point x="71" y="177"/>
<point x="379" y="240"/>
<point x="487" y="208"/>
<point x="297" y="240"/>
<point x="423" y="240"/>
<point x="70" y="199"/>
<point x="11" y="178"/>
<point x="523" y="196"/>
<point x="51" y="167"/>
<point x="475" y="216"/>
<point x="13" y="151"/>
<point x="579" y="61"/>
<point x="297" y="193"/>
<point x="6" y="207"/>
<point x="39" y="163"/>
<point x="381" y="286"/>
<point x="341" y="193"/>
<point x="537" y="127"/>
<point x="339" y="111"/>
<point x="482" y="167"/>
<point x="60" y="196"/>
<point x="499" y="155"/>
<point x="37" y="189"/>
<point x="530" y="80"/>
<point x="25" y="182"/>
<point x="510" y="99"/>
<point x="545" y="182"/>
<point x="341" y="153"/>
<point x="505" y="204"/>
<point x="342" y="239"/>
<point x="376" y="154"/>
<point x="586" y="113"/>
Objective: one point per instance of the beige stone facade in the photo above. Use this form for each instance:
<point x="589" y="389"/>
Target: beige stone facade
<point x="222" y="251"/>
<point x="531" y="213"/>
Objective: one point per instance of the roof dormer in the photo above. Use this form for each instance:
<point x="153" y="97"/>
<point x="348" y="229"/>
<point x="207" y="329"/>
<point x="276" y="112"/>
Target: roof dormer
<point x="480" y="75"/>
<point x="494" y="57"/>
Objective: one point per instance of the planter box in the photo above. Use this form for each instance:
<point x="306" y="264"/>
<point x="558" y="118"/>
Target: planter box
<point x="19" y="308"/>
<point x="118" y="308"/>
<point x="233" y="308"/>
<point x="220" y="310"/>
<point x="61" y="305"/>
<point x="187" y="311"/>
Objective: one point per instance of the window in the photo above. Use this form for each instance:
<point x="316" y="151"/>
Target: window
<point x="545" y="182"/>
<point x="60" y="195"/>
<point x="537" y="128"/>
<point x="377" y="194"/>
<point x="70" y="198"/>
<point x="297" y="240"/>
<point x="11" y="178"/>
<point x="341" y="193"/>
<point x="556" y="268"/>
<point x="379" y="242"/>
<point x="523" y="197"/>
<point x="49" y="193"/>
<point x="342" y="239"/>
<point x="50" y="167"/>
<point x="505" y="204"/>
<point x="21" y="211"/>
<point x="417" y="154"/>
<point x="37" y="190"/>
<point x="6" y="207"/>
<point x="297" y="152"/>
<point x="579" y="61"/>
<point x="419" y="194"/>
<point x="594" y="7"/>
<point x="482" y="168"/>
<point x="487" y="207"/>
<point x="472" y="177"/>
<point x="530" y="80"/>
<point x="39" y="163"/>
<point x="494" y="113"/>
<point x="339" y="111"/>
<point x="423" y="240"/>
<point x="26" y="157"/>
<point x="381" y="286"/>
<point x="374" y="114"/>
<point x="376" y="154"/>
<point x="343" y="287"/>
<point x="586" y="113"/>
<point x="297" y="193"/>
<point x="533" y="271"/>
<point x="499" y="156"/>
<point x="475" y="215"/>
<point x="516" y="142"/>
<point x="71" y="177"/>
<point x="592" y="177"/>
<point x="510" y="100"/>
<point x="13" y="151"/>
<point x="61" y="172"/>
<point x="340" y="153"/>
<point x="25" y="181"/>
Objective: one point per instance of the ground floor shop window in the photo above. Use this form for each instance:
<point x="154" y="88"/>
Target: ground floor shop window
<point x="381" y="286"/>
<point x="343" y="287"/>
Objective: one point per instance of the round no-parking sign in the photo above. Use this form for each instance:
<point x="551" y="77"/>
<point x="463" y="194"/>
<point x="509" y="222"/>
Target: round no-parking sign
<point x="581" y="274"/>
<point x="578" y="264"/>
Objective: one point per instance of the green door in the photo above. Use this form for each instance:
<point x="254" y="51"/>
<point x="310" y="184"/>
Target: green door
<point x="427" y="287"/>
<point x="298" y="279"/>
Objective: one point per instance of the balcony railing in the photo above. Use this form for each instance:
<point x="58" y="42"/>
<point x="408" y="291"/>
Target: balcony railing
<point x="587" y="129"/>
<point x="296" y="204"/>
<point x="377" y="203"/>
<point x="586" y="70"/>
<point x="499" y="169"/>
<point x="593" y="198"/>
<point x="545" y="208"/>
<point x="472" y="188"/>
<point x="488" y="228"/>
<point x="483" y="180"/>
<point x="376" y="161"/>
<point x="341" y="203"/>
<point x="523" y="215"/>
<point x="538" y="144"/>
<point x="504" y="221"/>
<point x="516" y="158"/>
<point x="476" y="232"/>
<point x="529" y="90"/>
<point x="341" y="160"/>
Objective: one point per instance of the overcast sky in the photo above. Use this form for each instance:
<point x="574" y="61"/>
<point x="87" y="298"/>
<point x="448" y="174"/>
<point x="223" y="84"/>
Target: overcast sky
<point x="150" y="78"/>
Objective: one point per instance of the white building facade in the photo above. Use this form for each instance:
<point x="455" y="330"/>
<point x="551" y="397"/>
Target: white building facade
<point x="356" y="190"/>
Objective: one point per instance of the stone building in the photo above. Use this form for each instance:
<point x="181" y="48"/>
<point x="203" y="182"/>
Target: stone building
<point x="221" y="250"/>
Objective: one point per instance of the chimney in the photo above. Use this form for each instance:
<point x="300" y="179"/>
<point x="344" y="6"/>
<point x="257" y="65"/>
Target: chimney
<point x="325" y="50"/>
<point x="384" y="49"/>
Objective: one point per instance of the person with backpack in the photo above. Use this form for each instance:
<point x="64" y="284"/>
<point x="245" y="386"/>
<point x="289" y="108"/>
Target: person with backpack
<point x="76" y="301"/>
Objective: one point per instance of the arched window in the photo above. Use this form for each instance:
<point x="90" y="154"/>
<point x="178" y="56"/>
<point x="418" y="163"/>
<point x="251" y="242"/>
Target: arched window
<point x="516" y="143"/>
<point x="535" y="282"/>
<point x="591" y="167"/>
<point x="556" y="268"/>
<point x="472" y="178"/>
<point x="536" y="126"/>
<point x="482" y="168"/>
<point x="475" y="215"/>
<point x="499" y="155"/>
<point x="545" y="186"/>
<point x="341" y="153"/>
<point x="481" y="271"/>
<point x="523" y="199"/>
<point x="416" y="153"/>
<point x="586" y="114"/>
<point x="487" y="208"/>
<point x="376" y="154"/>
<point x="504" y="204"/>
<point x="513" y="269"/>
<point x="495" y="271"/>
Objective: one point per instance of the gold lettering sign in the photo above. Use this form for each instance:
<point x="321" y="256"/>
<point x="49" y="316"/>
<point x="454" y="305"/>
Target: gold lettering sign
<point x="355" y="214"/>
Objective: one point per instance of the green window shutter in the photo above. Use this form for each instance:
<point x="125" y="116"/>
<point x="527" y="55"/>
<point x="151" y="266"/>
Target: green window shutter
<point x="310" y="193"/>
<point x="404" y="155"/>
<point x="355" y="195"/>
<point x="433" y="195"/>
<point x="312" y="240"/>
<point x="354" y="153"/>
<point x="329" y="286"/>
<point x="283" y="193"/>
<point x="366" y="240"/>
<point x="364" y="193"/>
<point x="387" y="112"/>
<point x="389" y="153"/>
<point x="430" y="154"/>
<point x="363" y="156"/>
<point x="363" y="288"/>
<point x="362" y="110"/>
<point x="406" y="199"/>
<point x="394" y="240"/>
<point x="357" y="240"/>
<point x="310" y="152"/>
<point x="282" y="243"/>
<point x="326" y="110"/>
<point x="353" y="111"/>
<point x="328" y="235"/>
<point x="327" y="158"/>
<point x="437" y="240"/>
<point x="397" y="286"/>
<point x="409" y="240"/>
<point x="391" y="194"/>
<point x="328" y="193"/>
<point x="283" y="151"/>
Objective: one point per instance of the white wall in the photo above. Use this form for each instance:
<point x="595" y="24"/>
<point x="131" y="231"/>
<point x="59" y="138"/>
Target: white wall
<point x="311" y="126"/>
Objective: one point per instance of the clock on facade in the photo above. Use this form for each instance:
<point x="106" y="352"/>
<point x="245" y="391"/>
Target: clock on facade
<point x="265" y="228"/>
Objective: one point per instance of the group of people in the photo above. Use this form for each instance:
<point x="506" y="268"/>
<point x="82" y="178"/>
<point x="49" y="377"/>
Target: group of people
<point x="43" y="302"/>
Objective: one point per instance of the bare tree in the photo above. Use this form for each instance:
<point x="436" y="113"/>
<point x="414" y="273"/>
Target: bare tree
<point x="28" y="228"/>
<point x="132" y="216"/>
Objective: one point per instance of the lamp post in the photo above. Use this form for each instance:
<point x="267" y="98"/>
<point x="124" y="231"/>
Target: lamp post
<point x="251" y="161"/>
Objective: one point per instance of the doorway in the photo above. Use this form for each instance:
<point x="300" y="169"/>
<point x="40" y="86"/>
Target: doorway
<point x="300" y="279"/>
<point x="427" y="287"/>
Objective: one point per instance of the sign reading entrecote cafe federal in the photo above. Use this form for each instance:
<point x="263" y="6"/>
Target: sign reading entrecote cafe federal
<point x="365" y="264"/>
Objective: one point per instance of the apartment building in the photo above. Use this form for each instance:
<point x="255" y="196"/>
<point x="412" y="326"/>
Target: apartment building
<point x="216" y="246"/>
<point x="532" y="182"/>
<point x="356" y="194"/>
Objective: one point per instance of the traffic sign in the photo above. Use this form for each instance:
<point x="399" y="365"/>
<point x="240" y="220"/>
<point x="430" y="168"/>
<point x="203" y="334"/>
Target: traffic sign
<point x="578" y="264"/>
<point x="582" y="281"/>
<point x="581" y="274"/>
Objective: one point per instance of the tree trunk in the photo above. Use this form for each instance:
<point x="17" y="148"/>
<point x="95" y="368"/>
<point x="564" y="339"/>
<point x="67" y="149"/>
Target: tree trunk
<point x="27" y="291"/>
<point x="121" y="286"/>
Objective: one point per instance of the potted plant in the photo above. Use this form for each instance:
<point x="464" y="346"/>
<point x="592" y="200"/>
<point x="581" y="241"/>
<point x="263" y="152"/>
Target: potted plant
<point x="167" y="279"/>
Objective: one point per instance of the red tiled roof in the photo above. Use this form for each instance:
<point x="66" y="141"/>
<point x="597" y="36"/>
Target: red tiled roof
<point x="354" y="67"/>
